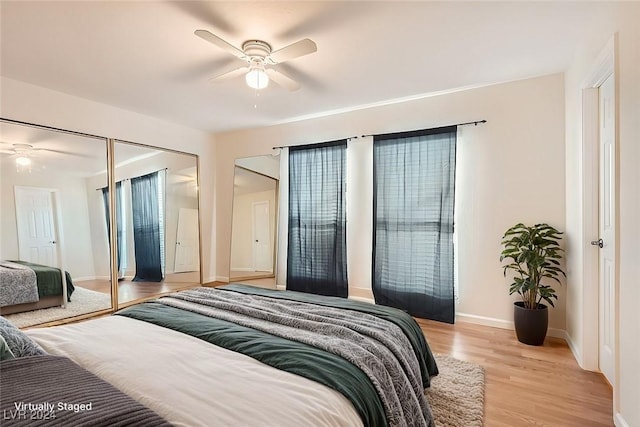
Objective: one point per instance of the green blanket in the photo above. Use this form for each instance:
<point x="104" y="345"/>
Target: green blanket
<point x="403" y="320"/>
<point x="49" y="280"/>
<point x="291" y="356"/>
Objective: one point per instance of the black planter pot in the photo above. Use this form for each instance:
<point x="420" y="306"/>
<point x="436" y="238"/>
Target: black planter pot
<point x="531" y="325"/>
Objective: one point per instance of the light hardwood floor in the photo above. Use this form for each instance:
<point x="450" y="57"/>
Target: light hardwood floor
<point x="129" y="291"/>
<point x="526" y="385"/>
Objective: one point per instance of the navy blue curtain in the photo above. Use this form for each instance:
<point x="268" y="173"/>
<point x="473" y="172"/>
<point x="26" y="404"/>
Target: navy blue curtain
<point x="317" y="249"/>
<point x="146" y="228"/>
<point x="413" y="265"/>
<point x="119" y="236"/>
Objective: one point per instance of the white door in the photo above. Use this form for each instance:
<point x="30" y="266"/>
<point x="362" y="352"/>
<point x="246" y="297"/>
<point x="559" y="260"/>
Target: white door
<point x="262" y="256"/>
<point x="607" y="214"/>
<point x="187" y="250"/>
<point x="36" y="225"/>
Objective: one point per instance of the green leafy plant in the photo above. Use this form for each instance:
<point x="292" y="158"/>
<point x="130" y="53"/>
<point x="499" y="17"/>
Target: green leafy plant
<point x="533" y="254"/>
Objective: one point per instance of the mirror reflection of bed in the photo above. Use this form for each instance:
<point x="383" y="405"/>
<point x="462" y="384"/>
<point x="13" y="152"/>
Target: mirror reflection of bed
<point x="55" y="209"/>
<point x="46" y="219"/>
<point x="157" y="221"/>
<point x="253" y="233"/>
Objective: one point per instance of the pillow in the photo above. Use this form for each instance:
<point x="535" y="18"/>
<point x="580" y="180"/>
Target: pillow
<point x="17" y="341"/>
<point x="5" y="351"/>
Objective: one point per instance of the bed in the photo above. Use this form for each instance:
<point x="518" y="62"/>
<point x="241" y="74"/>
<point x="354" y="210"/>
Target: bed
<point x="40" y="389"/>
<point x="26" y="286"/>
<point x="239" y="355"/>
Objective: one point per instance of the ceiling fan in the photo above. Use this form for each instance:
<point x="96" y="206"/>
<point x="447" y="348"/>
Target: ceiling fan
<point x="28" y="149"/>
<point x="260" y="60"/>
<point x="23" y="153"/>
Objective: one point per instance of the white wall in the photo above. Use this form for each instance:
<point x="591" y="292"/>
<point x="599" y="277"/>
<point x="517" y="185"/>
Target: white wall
<point x="34" y="104"/>
<point x="521" y="147"/>
<point x="627" y="389"/>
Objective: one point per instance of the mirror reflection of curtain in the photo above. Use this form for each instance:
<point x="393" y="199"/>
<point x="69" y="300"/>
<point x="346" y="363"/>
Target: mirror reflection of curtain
<point x="120" y="227"/>
<point x="317" y="256"/>
<point x="148" y="240"/>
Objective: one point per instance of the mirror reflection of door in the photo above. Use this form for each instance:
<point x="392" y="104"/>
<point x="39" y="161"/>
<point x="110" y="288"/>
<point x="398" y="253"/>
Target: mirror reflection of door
<point x="261" y="230"/>
<point x="49" y="205"/>
<point x="253" y="235"/>
<point x="186" y="258"/>
<point x="36" y="225"/>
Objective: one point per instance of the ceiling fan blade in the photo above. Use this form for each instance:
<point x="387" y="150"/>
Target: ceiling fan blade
<point x="229" y="74"/>
<point x="64" y="152"/>
<point x="283" y="80"/>
<point x="295" y="50"/>
<point x="7" y="152"/>
<point x="222" y="44"/>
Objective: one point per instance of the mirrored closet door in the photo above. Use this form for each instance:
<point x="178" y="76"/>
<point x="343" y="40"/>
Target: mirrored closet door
<point x="254" y="226"/>
<point x="157" y="221"/>
<point x="54" y="248"/>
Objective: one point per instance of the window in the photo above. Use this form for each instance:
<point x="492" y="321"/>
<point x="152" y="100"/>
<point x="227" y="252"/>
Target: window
<point x="317" y="258"/>
<point x="413" y="263"/>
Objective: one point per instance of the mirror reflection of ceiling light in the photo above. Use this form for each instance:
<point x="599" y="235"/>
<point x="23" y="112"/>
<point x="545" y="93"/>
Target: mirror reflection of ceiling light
<point x="23" y="161"/>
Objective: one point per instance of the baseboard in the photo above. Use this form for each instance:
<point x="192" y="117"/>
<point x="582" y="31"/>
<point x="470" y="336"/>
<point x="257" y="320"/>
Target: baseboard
<point x="221" y="279"/>
<point x="363" y="299"/>
<point x="574" y="350"/>
<point x="242" y="269"/>
<point x="504" y="324"/>
<point x="281" y="287"/>
<point x="618" y="421"/>
<point x="87" y="278"/>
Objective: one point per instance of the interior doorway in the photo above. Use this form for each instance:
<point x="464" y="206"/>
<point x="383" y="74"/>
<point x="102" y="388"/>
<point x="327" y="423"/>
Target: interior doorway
<point x="599" y="245"/>
<point x="606" y="241"/>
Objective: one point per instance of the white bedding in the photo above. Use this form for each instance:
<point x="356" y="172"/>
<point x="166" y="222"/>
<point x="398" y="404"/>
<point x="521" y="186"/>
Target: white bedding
<point x="190" y="382"/>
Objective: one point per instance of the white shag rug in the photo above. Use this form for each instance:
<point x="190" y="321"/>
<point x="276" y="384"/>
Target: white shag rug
<point x="82" y="301"/>
<point x="456" y="395"/>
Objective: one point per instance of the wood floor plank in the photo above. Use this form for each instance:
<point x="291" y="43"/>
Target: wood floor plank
<point x="526" y="385"/>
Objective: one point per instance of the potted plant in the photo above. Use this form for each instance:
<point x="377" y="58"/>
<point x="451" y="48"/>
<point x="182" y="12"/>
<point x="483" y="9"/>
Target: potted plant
<point x="533" y="254"/>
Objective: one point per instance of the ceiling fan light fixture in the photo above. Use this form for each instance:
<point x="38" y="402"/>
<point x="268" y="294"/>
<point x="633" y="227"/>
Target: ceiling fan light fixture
<point x="23" y="161"/>
<point x="257" y="78"/>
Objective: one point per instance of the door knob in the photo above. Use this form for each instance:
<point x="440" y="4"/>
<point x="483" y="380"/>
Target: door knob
<point x="599" y="243"/>
<point x="53" y="242"/>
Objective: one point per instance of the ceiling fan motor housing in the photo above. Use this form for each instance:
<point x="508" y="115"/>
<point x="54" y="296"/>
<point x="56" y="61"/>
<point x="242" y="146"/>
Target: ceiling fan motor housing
<point x="257" y="50"/>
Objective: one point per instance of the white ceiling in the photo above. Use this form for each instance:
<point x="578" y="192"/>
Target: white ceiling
<point x="246" y="181"/>
<point x="63" y="153"/>
<point x="144" y="57"/>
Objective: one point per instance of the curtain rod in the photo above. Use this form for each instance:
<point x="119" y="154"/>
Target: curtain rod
<point x="127" y="179"/>
<point x="475" y="123"/>
<point x="314" y="143"/>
